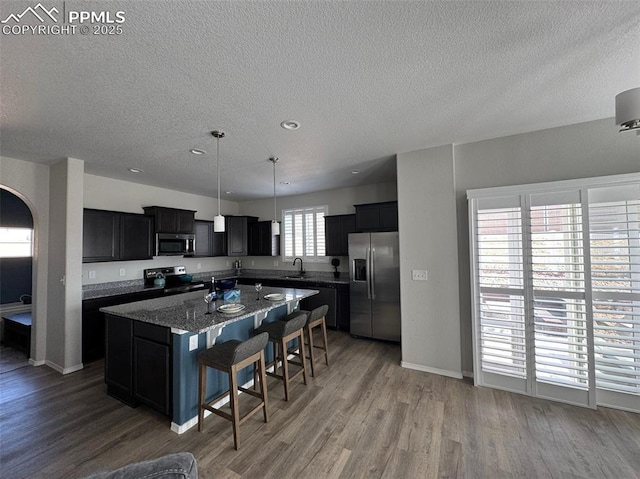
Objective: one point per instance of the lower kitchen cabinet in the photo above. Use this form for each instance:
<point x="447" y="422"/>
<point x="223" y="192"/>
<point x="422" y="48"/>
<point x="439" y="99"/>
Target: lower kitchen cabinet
<point x="138" y="363"/>
<point x="93" y="326"/>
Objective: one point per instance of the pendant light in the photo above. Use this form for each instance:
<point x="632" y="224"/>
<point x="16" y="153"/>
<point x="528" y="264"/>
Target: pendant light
<point x="628" y="110"/>
<point x="275" y="226"/>
<point x="218" y="220"/>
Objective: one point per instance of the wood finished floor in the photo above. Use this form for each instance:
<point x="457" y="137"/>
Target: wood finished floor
<point x="362" y="417"/>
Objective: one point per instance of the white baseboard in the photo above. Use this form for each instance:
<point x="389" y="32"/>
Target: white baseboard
<point x="467" y="374"/>
<point x="33" y="362"/>
<point x="181" y="428"/>
<point x="62" y="370"/>
<point x="427" y="369"/>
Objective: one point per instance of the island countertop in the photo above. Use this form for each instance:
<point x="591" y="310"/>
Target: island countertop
<point x="187" y="312"/>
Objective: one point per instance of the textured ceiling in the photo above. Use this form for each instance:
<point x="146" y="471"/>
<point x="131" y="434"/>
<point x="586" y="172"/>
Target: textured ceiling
<point x="366" y="80"/>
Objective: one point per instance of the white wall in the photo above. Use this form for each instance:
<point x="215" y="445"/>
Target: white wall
<point x="30" y="181"/>
<point x="427" y="225"/>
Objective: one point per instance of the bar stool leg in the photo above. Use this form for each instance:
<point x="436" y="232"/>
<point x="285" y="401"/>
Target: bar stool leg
<point x="311" y="358"/>
<point x="263" y="385"/>
<point x="233" y="402"/>
<point x="202" y="382"/>
<point x="303" y="357"/>
<point x="285" y="369"/>
<point x="324" y="338"/>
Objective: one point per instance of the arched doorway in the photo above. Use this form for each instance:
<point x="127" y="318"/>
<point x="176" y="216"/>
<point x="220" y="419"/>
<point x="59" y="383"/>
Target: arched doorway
<point x="17" y="269"/>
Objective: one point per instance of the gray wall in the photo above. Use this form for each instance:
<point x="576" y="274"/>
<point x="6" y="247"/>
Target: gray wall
<point x="584" y="150"/>
<point x="427" y="181"/>
<point x="427" y="225"/>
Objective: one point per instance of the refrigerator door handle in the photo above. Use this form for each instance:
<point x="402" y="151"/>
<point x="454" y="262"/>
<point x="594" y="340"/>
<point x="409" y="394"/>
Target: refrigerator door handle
<point x="368" y="263"/>
<point x="372" y="256"/>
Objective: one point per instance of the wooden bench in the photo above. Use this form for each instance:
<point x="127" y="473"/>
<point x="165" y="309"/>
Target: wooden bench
<point x="17" y="331"/>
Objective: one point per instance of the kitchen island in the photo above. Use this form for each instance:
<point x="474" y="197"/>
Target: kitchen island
<point x="152" y="346"/>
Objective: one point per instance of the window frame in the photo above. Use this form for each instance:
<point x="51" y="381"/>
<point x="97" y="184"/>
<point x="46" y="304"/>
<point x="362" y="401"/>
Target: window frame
<point x="317" y="228"/>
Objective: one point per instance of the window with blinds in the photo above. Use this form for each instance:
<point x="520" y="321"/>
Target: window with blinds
<point x="304" y="233"/>
<point x="615" y="276"/>
<point x="556" y="288"/>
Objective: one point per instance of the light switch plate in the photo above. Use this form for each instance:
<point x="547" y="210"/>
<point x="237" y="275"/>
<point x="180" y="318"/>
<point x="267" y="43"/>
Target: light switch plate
<point x="92" y="275"/>
<point x="193" y="342"/>
<point x="121" y="271"/>
<point x="419" y="274"/>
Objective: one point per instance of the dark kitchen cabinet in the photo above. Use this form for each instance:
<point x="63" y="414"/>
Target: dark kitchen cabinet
<point x="100" y="236"/>
<point x="152" y="365"/>
<point x="116" y="236"/>
<point x="118" y="371"/>
<point x="171" y="220"/>
<point x="136" y="233"/>
<point x="93" y="324"/>
<point x="261" y="241"/>
<point x="209" y="243"/>
<point x="337" y="229"/>
<point x="377" y="217"/>
<point x="237" y="229"/>
<point x="138" y="363"/>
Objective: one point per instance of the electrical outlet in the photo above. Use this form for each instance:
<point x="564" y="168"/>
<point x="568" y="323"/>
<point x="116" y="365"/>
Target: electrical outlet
<point x="121" y="271"/>
<point x="199" y="266"/>
<point x="228" y="263"/>
<point x="253" y="263"/>
<point x="193" y="342"/>
<point x="92" y="275"/>
<point x="419" y="274"/>
<point x="275" y="262"/>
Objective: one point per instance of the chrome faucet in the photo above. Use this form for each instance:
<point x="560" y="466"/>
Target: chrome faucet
<point x="302" y="271"/>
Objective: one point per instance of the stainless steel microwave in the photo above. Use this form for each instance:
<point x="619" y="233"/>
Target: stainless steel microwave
<point x="170" y="244"/>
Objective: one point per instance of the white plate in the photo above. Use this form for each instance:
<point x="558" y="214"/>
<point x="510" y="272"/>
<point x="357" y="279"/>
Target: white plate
<point x="274" y="297"/>
<point x="231" y="308"/>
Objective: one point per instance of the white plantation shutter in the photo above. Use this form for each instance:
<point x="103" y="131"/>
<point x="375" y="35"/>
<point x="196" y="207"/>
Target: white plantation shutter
<point x="304" y="233"/>
<point x="501" y="299"/>
<point x="556" y="288"/>
<point x="614" y="220"/>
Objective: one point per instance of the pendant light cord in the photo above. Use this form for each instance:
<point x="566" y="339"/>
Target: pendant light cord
<point x="218" y="170"/>
<point x="275" y="217"/>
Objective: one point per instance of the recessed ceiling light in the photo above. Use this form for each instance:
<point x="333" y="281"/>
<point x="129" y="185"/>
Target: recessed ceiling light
<point x="196" y="151"/>
<point x="285" y="182"/>
<point x="290" y="124"/>
<point x="135" y="170"/>
<point x="355" y="172"/>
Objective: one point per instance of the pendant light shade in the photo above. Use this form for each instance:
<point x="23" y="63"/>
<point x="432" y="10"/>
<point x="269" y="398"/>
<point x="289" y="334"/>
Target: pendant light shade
<point x="275" y="226"/>
<point x="218" y="220"/>
<point x="628" y="110"/>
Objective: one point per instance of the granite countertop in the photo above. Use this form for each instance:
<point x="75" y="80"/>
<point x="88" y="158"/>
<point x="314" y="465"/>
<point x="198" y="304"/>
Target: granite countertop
<point x="187" y="312"/>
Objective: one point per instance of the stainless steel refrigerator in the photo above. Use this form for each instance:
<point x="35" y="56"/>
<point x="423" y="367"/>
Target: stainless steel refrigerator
<point x="375" y="285"/>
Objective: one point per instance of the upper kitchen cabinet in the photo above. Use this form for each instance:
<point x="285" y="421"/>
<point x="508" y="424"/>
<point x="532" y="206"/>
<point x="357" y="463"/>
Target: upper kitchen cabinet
<point x="261" y="241"/>
<point x="136" y="233"/>
<point x="100" y="236"/>
<point x="209" y="243"/>
<point x="336" y="232"/>
<point x="171" y="220"/>
<point x="377" y="216"/>
<point x="116" y="236"/>
<point x="237" y="229"/>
